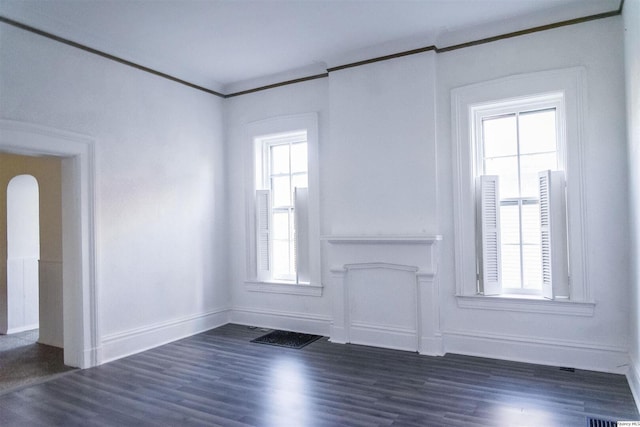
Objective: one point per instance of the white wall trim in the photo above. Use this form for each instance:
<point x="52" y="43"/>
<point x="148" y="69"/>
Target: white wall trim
<point x="542" y="351"/>
<point x="572" y="83"/>
<point x="287" y="320"/>
<point x="387" y="239"/>
<point x="527" y="305"/>
<point x="284" y="288"/>
<point x="81" y="302"/>
<point x="22" y="329"/>
<point x="271" y="126"/>
<point x="126" y="343"/>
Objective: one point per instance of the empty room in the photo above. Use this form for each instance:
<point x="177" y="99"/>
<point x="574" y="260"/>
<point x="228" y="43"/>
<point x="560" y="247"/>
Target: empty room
<point x="319" y="212"/>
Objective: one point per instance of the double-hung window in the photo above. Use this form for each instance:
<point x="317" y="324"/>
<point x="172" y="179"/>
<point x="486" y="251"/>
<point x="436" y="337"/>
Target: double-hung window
<point x="519" y="205"/>
<point x="518" y="157"/>
<point x="282" y="200"/>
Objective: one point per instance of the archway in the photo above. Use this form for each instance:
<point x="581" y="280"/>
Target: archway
<point x="23" y="253"/>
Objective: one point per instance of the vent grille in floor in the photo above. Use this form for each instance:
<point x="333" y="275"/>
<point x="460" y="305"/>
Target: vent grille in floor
<point x="598" y="422"/>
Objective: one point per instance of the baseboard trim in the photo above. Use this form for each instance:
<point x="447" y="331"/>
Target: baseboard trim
<point x="287" y="320"/>
<point x="122" y="344"/>
<point x="633" y="378"/>
<point x="21" y="329"/>
<point x="575" y="354"/>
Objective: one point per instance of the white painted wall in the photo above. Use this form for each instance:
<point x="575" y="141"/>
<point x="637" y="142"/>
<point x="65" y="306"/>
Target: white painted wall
<point x="379" y="162"/>
<point x="631" y="16"/>
<point x="160" y="211"/>
<point x="304" y="313"/>
<point x="386" y="168"/>
<point x="23" y="248"/>
<point x="598" y="341"/>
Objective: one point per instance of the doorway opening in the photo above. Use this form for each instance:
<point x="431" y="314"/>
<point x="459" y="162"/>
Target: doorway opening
<point x="23" y="254"/>
<point x="79" y="332"/>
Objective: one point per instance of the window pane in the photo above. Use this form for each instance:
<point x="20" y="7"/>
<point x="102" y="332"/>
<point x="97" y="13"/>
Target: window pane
<point x="531" y="224"/>
<point x="509" y="224"/>
<point x="281" y="191"/>
<point x="507" y="169"/>
<point x="299" y="157"/>
<point x="537" y="131"/>
<point x="280" y="257"/>
<point x="281" y="225"/>
<point x="530" y="165"/>
<point x="280" y="159"/>
<point x="532" y="265"/>
<point x="511" y="266"/>
<point x="499" y="135"/>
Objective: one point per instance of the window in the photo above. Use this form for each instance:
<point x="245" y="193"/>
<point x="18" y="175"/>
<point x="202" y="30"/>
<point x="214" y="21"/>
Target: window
<point x="515" y="143"/>
<point x="519" y="207"/>
<point x="282" y="195"/>
<point x="282" y="200"/>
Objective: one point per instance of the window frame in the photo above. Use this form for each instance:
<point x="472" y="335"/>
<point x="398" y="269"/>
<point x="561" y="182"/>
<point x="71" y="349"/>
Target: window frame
<point x="267" y="174"/>
<point x="259" y="131"/>
<point x="571" y="83"/>
<point x="518" y="106"/>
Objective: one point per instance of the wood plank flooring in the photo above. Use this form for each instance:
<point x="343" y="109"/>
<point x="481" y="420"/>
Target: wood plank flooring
<point x="219" y="378"/>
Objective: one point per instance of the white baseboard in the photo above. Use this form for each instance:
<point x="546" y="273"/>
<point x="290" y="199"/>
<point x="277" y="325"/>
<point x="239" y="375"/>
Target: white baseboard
<point x="574" y="354"/>
<point x="122" y="344"/>
<point x="382" y="336"/>
<point x="290" y="321"/>
<point x="633" y="378"/>
<point x="22" y="329"/>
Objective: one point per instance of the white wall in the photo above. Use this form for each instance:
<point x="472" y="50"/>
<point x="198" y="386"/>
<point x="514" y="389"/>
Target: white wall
<point x="631" y="15"/>
<point x="598" y="341"/>
<point x="386" y="168"/>
<point x="160" y="211"/>
<point x="379" y="162"/>
<point x="296" y="312"/>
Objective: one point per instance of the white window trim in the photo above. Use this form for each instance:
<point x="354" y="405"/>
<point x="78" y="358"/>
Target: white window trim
<point x="255" y="132"/>
<point x="570" y="82"/>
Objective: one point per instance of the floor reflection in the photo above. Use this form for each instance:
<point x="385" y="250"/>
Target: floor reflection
<point x="289" y="394"/>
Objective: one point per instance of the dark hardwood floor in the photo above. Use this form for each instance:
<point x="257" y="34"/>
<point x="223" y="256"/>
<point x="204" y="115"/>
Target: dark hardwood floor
<point x="220" y="378"/>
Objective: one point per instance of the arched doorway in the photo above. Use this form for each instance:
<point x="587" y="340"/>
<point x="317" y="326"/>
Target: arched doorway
<point x="23" y="254"/>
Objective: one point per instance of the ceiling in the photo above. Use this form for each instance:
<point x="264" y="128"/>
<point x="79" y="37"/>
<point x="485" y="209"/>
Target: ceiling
<point x="233" y="45"/>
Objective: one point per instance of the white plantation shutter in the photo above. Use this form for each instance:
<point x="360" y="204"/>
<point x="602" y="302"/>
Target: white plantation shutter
<point x="301" y="212"/>
<point x="263" y="227"/>
<point x="553" y="234"/>
<point x="490" y="271"/>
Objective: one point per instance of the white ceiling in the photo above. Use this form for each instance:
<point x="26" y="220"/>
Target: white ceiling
<point x="232" y="45"/>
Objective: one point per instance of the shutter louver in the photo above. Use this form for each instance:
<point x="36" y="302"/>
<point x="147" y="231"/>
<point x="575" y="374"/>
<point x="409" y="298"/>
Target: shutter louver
<point x="489" y="215"/>
<point x="263" y="228"/>
<point x="553" y="235"/>
<point x="301" y="239"/>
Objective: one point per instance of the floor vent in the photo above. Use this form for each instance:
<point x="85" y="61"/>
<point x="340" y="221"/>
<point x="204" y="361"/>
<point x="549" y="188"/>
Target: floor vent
<point x="599" y="422"/>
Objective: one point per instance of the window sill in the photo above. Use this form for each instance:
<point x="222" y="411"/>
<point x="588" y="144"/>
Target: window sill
<point x="275" y="287"/>
<point x="527" y="304"/>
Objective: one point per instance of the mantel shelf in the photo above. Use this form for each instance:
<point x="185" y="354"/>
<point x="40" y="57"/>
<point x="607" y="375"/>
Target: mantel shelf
<point x="389" y="239"/>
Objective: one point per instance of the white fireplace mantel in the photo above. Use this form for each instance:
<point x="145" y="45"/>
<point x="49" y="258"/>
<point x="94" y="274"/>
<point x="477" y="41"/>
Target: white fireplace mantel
<point x="385" y="291"/>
